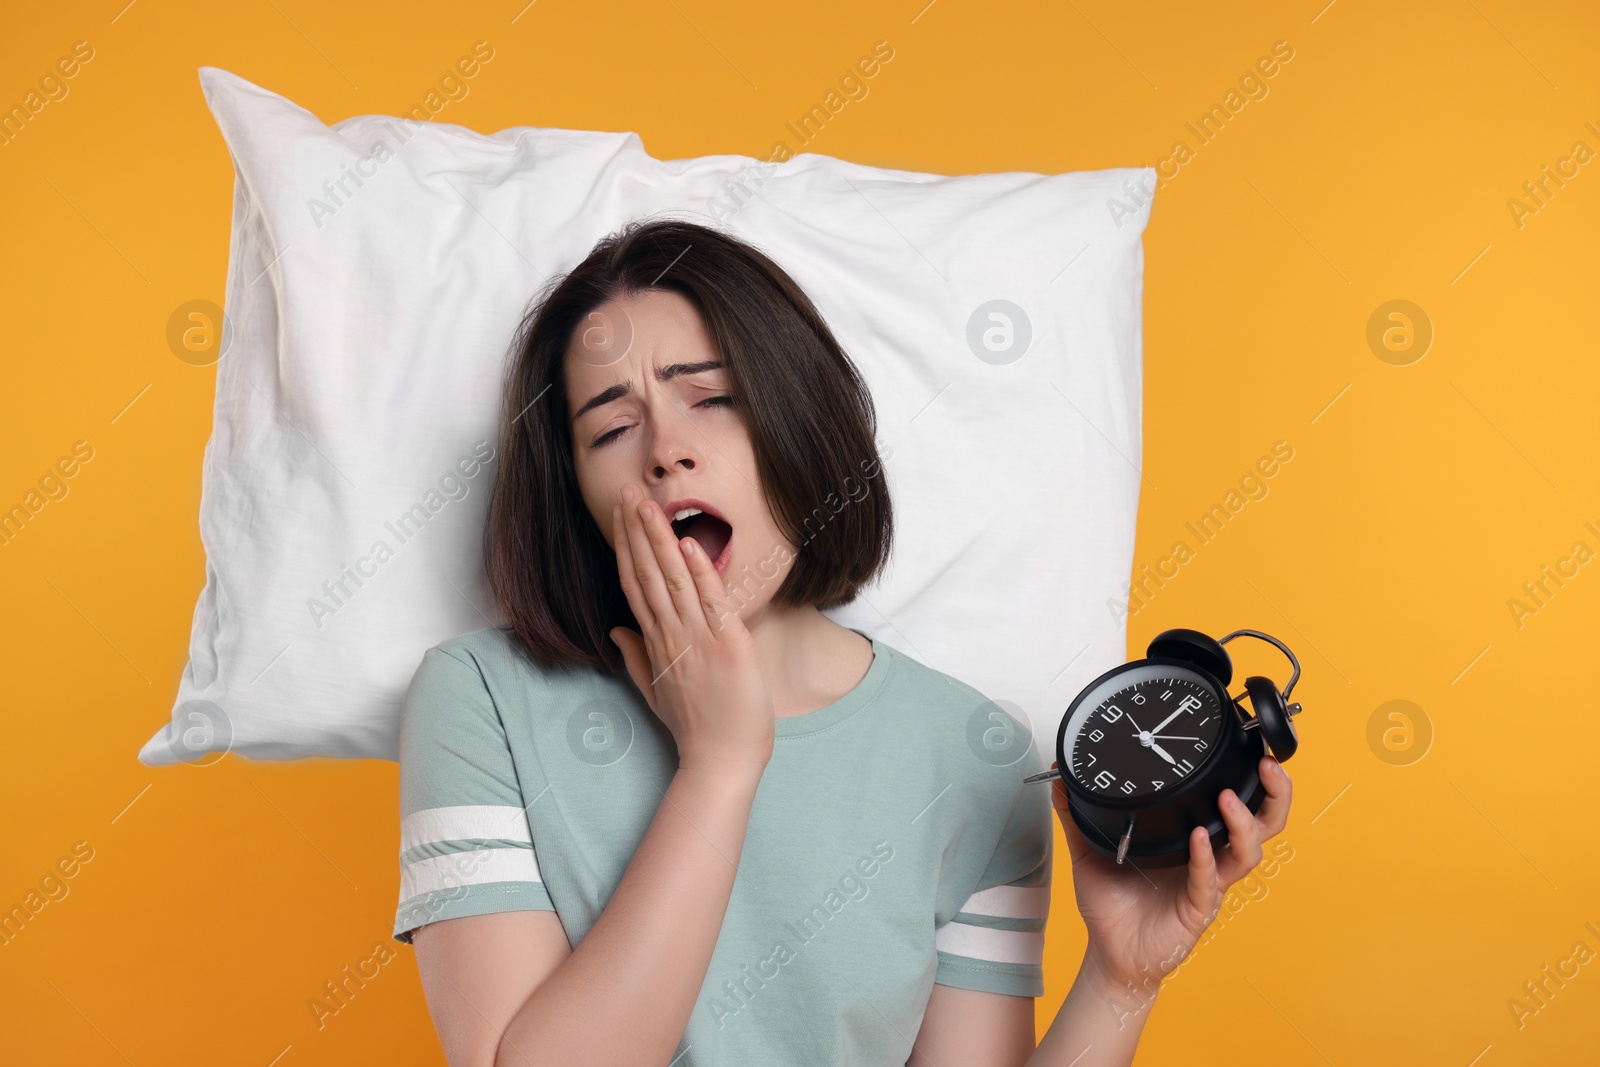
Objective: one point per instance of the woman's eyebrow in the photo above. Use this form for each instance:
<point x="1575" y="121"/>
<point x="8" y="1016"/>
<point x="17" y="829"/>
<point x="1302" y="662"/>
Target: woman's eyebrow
<point x="663" y="374"/>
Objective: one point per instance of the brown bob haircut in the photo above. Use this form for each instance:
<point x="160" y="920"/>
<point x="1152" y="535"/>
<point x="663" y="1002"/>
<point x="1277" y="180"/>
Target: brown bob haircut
<point x="808" y="412"/>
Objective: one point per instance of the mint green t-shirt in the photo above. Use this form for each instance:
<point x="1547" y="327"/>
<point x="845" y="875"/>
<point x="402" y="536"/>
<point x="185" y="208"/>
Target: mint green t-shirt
<point x="891" y="844"/>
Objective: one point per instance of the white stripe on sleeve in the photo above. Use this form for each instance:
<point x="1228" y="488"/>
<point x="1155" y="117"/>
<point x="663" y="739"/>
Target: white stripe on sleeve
<point x="457" y="869"/>
<point x="491" y="822"/>
<point x="996" y="946"/>
<point x="1010" y="902"/>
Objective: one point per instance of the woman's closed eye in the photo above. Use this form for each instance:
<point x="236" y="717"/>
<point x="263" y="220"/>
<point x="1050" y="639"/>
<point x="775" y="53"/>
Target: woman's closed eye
<point x="711" y="401"/>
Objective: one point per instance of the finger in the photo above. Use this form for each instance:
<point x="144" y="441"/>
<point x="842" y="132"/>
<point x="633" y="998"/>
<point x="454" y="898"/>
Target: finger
<point x="626" y="574"/>
<point x="646" y="568"/>
<point x="1244" y="839"/>
<point x="714" y="611"/>
<point x="1274" y="813"/>
<point x="1202" y="889"/>
<point x="682" y="592"/>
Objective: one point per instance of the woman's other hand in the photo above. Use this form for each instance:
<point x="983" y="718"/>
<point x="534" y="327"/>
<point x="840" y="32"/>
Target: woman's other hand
<point x="695" y="662"/>
<point x="1143" y="922"/>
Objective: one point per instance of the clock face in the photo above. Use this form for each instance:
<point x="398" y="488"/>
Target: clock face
<point x="1142" y="731"/>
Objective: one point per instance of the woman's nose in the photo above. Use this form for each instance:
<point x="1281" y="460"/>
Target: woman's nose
<point x="665" y="466"/>
<point x="670" y="451"/>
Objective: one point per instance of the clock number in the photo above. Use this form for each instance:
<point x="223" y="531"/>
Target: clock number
<point x="1127" y="787"/>
<point x="1138" y="698"/>
<point x="1158" y="785"/>
<point x="1167" y="695"/>
<point x="1200" y="745"/>
<point x="1097" y="735"/>
<point x="1182" y="767"/>
<point x="1104" y="779"/>
<point x="1112" y="714"/>
<point x="1092" y="758"/>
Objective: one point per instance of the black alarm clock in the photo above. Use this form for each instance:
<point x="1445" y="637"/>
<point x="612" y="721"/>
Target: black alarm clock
<point x="1146" y="748"/>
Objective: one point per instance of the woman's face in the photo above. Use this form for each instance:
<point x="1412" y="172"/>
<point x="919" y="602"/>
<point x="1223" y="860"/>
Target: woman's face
<point x="651" y="406"/>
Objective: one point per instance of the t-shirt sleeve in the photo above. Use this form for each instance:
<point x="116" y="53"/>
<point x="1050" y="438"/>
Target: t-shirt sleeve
<point x="995" y="942"/>
<point x="465" y="844"/>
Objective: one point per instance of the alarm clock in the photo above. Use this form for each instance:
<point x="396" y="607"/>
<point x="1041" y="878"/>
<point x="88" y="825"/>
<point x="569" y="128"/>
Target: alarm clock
<point x="1146" y="748"/>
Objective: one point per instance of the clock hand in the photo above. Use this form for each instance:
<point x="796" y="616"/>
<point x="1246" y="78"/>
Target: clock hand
<point x="1162" y="724"/>
<point x="1158" y="750"/>
<point x="1174" y="737"/>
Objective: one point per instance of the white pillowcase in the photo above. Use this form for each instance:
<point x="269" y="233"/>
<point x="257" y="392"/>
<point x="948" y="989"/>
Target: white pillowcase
<point x="378" y="269"/>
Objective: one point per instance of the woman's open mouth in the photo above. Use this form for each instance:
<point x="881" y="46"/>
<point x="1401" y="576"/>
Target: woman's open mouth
<point x="714" y="534"/>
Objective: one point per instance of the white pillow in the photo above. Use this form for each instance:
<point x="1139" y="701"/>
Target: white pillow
<point x="378" y="269"/>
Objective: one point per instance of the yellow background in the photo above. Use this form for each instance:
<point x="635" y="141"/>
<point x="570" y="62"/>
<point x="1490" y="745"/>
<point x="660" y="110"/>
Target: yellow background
<point x="1419" y="898"/>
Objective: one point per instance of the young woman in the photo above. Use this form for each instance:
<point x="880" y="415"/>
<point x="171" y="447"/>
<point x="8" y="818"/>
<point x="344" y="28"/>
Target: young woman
<point x="672" y="813"/>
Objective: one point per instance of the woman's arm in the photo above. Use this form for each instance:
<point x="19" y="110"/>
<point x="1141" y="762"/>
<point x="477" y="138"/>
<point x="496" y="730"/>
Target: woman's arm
<point x="505" y="989"/>
<point x="1099" y="1024"/>
<point x="977" y="1029"/>
<point x="1142" y="924"/>
<point x="974" y="1029"/>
